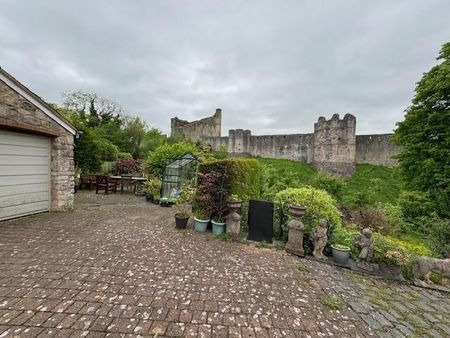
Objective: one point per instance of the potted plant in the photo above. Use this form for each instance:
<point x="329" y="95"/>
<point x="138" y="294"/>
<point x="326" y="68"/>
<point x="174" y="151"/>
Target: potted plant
<point x="153" y="189"/>
<point x="201" y="220"/>
<point x="341" y="253"/>
<point x="234" y="202"/>
<point x="183" y="207"/>
<point x="218" y="225"/>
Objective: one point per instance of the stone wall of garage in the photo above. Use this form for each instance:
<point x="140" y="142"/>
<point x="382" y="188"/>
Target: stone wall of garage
<point x="17" y="113"/>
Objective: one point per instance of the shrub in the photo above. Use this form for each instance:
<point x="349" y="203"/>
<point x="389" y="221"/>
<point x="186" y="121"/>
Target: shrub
<point x="245" y="175"/>
<point x="221" y="153"/>
<point x="438" y="230"/>
<point x="415" y="204"/>
<point x="161" y="156"/>
<point x="394" y="251"/>
<point x="394" y="217"/>
<point x="212" y="192"/>
<point x="87" y="153"/>
<point x="127" y="156"/>
<point x="332" y="184"/>
<point x="372" y="218"/>
<point x="108" y="151"/>
<point x="153" y="187"/>
<point x="318" y="202"/>
<point x="243" y="178"/>
<point x="387" y="249"/>
<point x="344" y="236"/>
<point x="124" y="166"/>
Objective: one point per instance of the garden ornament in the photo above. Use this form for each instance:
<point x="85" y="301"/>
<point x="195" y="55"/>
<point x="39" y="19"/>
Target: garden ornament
<point x="319" y="238"/>
<point x="422" y="267"/>
<point x="296" y="228"/>
<point x="365" y="242"/>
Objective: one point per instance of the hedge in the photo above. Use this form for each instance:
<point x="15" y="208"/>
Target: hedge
<point x="245" y="174"/>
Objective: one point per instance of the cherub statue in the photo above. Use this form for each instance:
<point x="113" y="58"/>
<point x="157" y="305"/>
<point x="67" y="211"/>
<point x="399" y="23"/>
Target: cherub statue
<point x="319" y="238"/>
<point x="365" y="242"/>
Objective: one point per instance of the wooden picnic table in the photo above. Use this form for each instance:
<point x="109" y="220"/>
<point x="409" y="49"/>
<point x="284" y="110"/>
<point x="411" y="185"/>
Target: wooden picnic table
<point x="133" y="181"/>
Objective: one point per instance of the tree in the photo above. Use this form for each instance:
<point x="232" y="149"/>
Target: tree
<point x="424" y="135"/>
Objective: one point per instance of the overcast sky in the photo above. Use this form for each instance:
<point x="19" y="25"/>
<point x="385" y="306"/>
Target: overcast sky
<point x="272" y="66"/>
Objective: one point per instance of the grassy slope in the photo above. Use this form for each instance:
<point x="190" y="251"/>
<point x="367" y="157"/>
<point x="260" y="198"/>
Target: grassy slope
<point x="389" y="181"/>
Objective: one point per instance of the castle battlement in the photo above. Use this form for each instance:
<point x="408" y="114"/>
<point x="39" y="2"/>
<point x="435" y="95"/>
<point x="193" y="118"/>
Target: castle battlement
<point x="333" y="147"/>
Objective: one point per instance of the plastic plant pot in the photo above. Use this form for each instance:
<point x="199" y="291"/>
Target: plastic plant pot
<point x="181" y="221"/>
<point x="218" y="228"/>
<point x="200" y="225"/>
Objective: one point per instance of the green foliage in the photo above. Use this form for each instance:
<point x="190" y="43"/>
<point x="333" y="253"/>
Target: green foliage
<point x="369" y="184"/>
<point x="318" y="202"/>
<point x="344" y="236"/>
<point x="245" y="175"/>
<point x="438" y="231"/>
<point x="161" y="156"/>
<point x="108" y="151"/>
<point x="392" y="250"/>
<point x="424" y="135"/>
<point x="281" y="174"/>
<point x="126" y="156"/>
<point x="221" y="153"/>
<point x="415" y="204"/>
<point x="334" y="185"/>
<point x="87" y="153"/>
<point x="153" y="187"/>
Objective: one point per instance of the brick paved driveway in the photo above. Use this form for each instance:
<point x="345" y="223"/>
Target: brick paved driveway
<point x="117" y="267"/>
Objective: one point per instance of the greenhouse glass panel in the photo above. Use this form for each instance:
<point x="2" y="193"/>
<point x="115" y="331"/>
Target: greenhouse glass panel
<point x="179" y="172"/>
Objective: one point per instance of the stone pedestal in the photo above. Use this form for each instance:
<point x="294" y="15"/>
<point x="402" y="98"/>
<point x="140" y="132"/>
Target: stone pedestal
<point x="233" y="219"/>
<point x="296" y="228"/>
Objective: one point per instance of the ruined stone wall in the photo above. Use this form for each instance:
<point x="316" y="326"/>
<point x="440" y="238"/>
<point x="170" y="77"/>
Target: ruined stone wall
<point x="376" y="149"/>
<point x="197" y="130"/>
<point x="18" y="113"/>
<point x="335" y="145"/>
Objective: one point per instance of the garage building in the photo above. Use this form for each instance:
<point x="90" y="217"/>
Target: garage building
<point x="36" y="153"/>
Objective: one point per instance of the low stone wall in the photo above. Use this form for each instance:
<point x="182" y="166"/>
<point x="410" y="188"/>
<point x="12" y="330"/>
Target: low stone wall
<point x="376" y="149"/>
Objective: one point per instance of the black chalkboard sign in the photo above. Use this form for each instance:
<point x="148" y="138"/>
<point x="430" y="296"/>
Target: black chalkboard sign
<point x="260" y="221"/>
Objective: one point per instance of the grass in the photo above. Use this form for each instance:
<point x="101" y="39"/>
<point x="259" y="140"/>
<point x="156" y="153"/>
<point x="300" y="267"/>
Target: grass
<point x="302" y="267"/>
<point x="290" y="173"/>
<point x="225" y="238"/>
<point x="388" y="189"/>
<point x="332" y="302"/>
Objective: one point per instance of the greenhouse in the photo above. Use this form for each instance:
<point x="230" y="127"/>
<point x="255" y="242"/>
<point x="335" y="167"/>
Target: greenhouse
<point x="179" y="172"/>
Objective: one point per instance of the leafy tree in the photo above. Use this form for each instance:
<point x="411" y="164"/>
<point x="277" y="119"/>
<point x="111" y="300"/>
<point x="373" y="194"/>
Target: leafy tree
<point x="87" y="152"/>
<point x="158" y="159"/>
<point x="424" y="135"/>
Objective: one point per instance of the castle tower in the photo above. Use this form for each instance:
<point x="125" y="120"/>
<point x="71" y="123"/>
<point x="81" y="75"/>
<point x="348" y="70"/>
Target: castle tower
<point x="197" y="130"/>
<point x="335" y="145"/>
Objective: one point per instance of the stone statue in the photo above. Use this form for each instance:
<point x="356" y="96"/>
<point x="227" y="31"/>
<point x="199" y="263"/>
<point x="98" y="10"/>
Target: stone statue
<point x="365" y="242"/>
<point x="319" y="238"/>
<point x="422" y="268"/>
<point x="233" y="219"/>
<point x="296" y="228"/>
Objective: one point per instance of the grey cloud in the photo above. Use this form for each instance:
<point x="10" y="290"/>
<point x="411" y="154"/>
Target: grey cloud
<point x="272" y="66"/>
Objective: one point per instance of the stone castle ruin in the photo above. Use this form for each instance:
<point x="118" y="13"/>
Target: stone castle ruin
<point x="333" y="147"/>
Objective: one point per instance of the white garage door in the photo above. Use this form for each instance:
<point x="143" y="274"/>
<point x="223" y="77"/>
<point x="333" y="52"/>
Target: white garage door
<point x="24" y="174"/>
